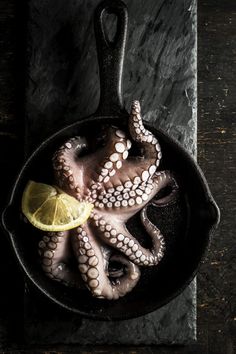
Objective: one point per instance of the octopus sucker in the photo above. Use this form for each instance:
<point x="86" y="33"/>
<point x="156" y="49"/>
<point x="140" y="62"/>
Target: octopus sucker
<point x="119" y="185"/>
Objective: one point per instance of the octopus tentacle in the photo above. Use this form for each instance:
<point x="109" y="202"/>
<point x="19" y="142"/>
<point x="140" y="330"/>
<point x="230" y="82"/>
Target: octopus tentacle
<point x="133" y="193"/>
<point x="66" y="166"/>
<point x="151" y="150"/>
<point x="118" y="236"/>
<point x="111" y="157"/>
<point x="127" y="281"/>
<point x="93" y="264"/>
<point x="88" y="262"/>
<point x="166" y="179"/>
<point x="54" y="251"/>
<point x="154" y="232"/>
<point x="130" y="195"/>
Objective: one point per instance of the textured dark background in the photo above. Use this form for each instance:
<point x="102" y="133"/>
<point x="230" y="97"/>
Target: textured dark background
<point x="216" y="155"/>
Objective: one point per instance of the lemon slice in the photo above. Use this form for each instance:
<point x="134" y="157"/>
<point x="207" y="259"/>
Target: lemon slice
<point x="50" y="209"/>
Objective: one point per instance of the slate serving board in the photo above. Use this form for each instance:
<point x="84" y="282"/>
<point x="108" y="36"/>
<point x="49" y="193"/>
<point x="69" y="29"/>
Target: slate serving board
<point x="63" y="86"/>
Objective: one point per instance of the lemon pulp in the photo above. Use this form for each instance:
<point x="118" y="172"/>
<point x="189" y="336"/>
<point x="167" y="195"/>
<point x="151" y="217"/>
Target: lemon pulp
<point x="50" y="209"/>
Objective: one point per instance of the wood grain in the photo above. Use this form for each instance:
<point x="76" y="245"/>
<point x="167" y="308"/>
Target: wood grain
<point x="217" y="157"/>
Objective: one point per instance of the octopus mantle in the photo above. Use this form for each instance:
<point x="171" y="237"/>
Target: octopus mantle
<point x="120" y="184"/>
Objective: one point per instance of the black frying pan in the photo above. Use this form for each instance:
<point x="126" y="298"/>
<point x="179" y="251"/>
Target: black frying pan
<point x="187" y="225"/>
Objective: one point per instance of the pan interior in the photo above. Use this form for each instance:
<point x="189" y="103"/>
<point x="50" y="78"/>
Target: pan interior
<point x="182" y="224"/>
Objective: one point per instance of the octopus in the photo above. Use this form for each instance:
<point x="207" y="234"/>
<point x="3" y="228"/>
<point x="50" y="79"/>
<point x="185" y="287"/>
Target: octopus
<point x="119" y="184"/>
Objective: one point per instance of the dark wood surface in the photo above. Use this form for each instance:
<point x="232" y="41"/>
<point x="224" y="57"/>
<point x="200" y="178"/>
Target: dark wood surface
<point x="216" y="155"/>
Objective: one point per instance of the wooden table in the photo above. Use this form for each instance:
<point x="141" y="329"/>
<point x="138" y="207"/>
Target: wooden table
<point x="216" y="154"/>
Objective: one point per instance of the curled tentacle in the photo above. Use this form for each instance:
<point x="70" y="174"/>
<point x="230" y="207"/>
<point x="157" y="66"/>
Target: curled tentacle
<point x="93" y="265"/>
<point x="110" y="158"/>
<point x="54" y="251"/>
<point x="150" y="148"/>
<point x="67" y="166"/>
<point x="126" y="280"/>
<point x="126" y="198"/>
<point x="165" y="179"/>
<point x="154" y="232"/>
<point x="118" y="237"/>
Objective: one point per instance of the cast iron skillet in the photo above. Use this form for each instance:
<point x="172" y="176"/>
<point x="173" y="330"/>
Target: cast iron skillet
<point x="187" y="225"/>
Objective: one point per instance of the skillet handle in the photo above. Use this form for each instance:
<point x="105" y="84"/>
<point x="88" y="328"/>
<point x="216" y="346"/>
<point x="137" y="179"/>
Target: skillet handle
<point x="111" y="56"/>
<point x="5" y="219"/>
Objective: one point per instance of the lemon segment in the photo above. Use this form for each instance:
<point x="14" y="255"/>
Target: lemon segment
<point x="50" y="209"/>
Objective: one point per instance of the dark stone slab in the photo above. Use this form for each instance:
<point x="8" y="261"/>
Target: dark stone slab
<point x="159" y="67"/>
<point x="174" y="323"/>
<point x="63" y="86"/>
